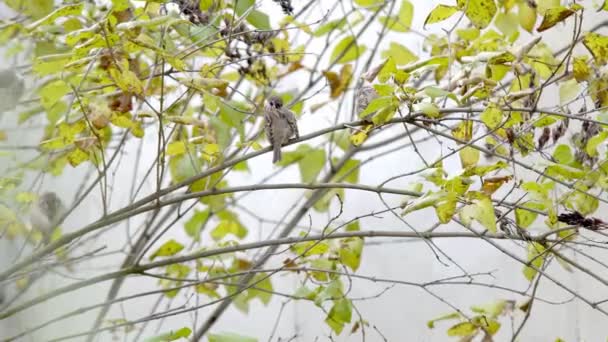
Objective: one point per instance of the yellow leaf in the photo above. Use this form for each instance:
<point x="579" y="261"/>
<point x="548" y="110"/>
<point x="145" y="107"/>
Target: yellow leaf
<point x="479" y="12"/>
<point x="77" y="157"/>
<point x="580" y="68"/>
<point x="597" y="44"/>
<point x="468" y="157"/>
<point x="527" y="16"/>
<point x="440" y="13"/>
<point x="553" y="16"/>
<point x="169" y="248"/>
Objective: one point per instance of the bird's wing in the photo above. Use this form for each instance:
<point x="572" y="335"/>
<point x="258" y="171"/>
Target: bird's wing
<point x="291" y="120"/>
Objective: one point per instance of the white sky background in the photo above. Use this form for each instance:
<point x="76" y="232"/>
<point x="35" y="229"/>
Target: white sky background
<point x="399" y="314"/>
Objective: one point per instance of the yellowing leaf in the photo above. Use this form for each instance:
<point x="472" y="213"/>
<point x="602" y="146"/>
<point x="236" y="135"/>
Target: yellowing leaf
<point x="358" y="138"/>
<point x="402" y="21"/>
<point x="77" y="157"/>
<point x="527" y="16"/>
<point x="339" y="315"/>
<point x="580" y="68"/>
<point x="339" y="83"/>
<point x="597" y="44"/>
<point x="429" y="109"/>
<point x="368" y="3"/>
<point x="535" y="249"/>
<point x="563" y="154"/>
<point x="347" y="50"/>
<point x="553" y="16"/>
<point x="169" y="248"/>
<point x="479" y="12"/>
<point x="464" y="131"/>
<point x="481" y="211"/>
<point x="440" y="13"/>
<point x="176" y="148"/>
<point x="507" y="23"/>
<point x="468" y="157"/>
<point x="400" y="54"/>
<point x="58" y="13"/>
<point x="53" y="92"/>
<point x="230" y="337"/>
<point x="127" y="80"/>
<point x="491" y="116"/>
<point x="462" y="329"/>
<point x="491" y="184"/>
<point x="171" y="336"/>
<point x="350" y="252"/>
<point x="568" y="91"/>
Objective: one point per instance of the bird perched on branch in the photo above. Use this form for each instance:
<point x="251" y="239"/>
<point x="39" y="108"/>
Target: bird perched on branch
<point x="366" y="92"/>
<point x="45" y="214"/>
<point x="280" y="125"/>
<point x="365" y="95"/>
<point x="11" y="89"/>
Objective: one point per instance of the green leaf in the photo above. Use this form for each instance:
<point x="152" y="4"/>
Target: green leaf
<point x="524" y="218"/>
<point x="230" y="337"/>
<point x="340" y="313"/>
<point x="534" y="250"/>
<point x="311" y="165"/>
<point x="469" y="157"/>
<point x="402" y="21"/>
<point x="58" y="13"/>
<point x="568" y="91"/>
<point x="256" y="18"/>
<point x="462" y="329"/>
<point x="263" y="288"/>
<point x="349" y="172"/>
<point x="120" y="5"/>
<point x="399" y="53"/>
<point x="33" y="8"/>
<point x="565" y="171"/>
<point x="507" y="23"/>
<point x="350" y="252"/>
<point x="259" y="19"/>
<point x="310" y="248"/>
<point x="428" y="199"/>
<point x="229" y="224"/>
<point x="347" y="50"/>
<point x="493" y="309"/>
<point x="195" y="223"/>
<point x="491" y="116"/>
<point x="377" y="104"/>
<point x="440" y="13"/>
<point x="481" y="211"/>
<point x="429" y="109"/>
<point x="431" y="324"/>
<point x="563" y="154"/>
<point x="169" y="248"/>
<point x="527" y="16"/>
<point x="593" y="143"/>
<point x="368" y="3"/>
<point x="330" y="26"/>
<point x="52" y="92"/>
<point x="445" y="208"/>
<point x="479" y="12"/>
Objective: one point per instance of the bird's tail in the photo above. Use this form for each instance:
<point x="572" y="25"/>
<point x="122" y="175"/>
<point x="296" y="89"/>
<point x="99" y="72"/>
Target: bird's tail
<point x="276" y="155"/>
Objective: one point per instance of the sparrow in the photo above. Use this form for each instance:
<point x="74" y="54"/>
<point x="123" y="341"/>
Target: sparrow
<point x="45" y="214"/>
<point x="365" y="95"/>
<point x="280" y="125"/>
<point x="11" y="89"/>
<point x="366" y="92"/>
